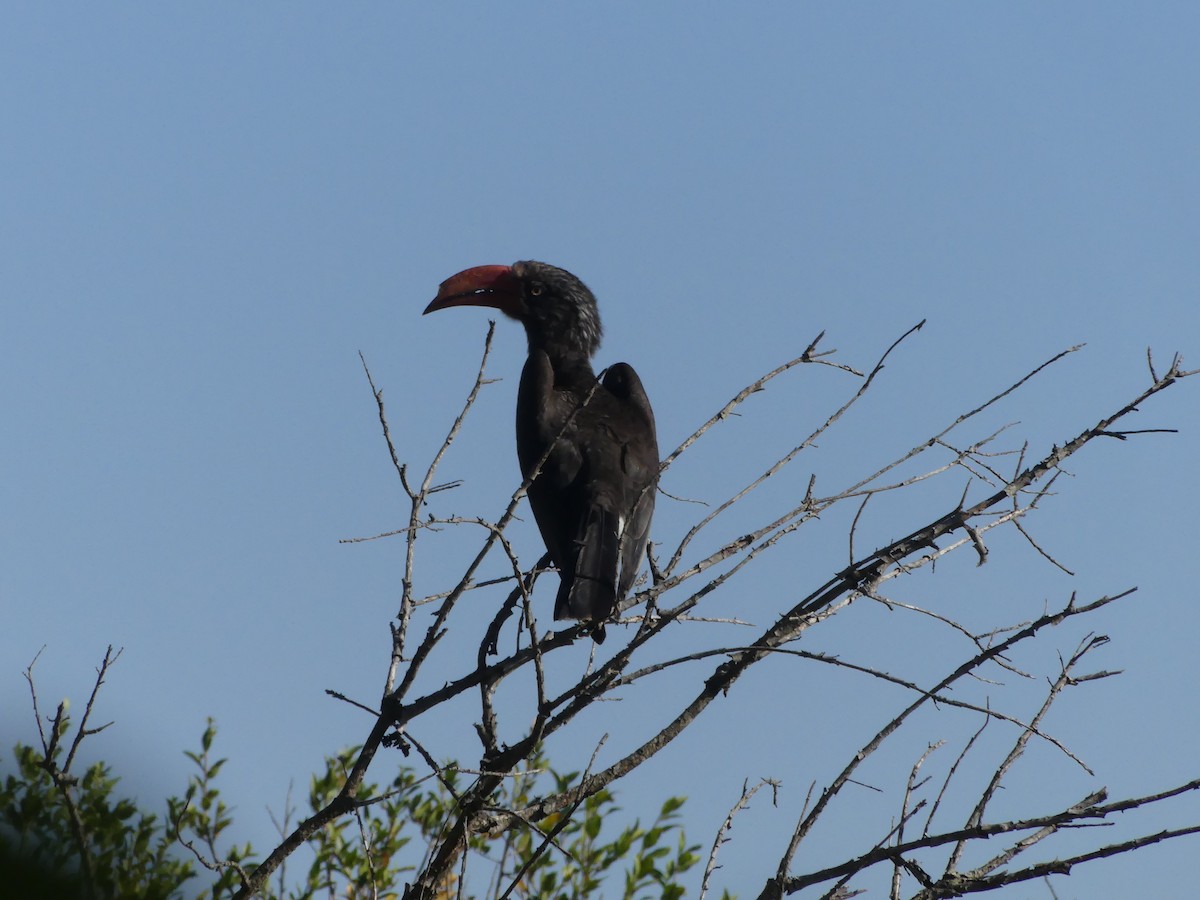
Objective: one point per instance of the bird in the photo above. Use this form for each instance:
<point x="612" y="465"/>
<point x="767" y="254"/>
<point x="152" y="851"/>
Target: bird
<point x="593" y="438"/>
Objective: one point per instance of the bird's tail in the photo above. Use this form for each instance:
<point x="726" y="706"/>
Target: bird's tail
<point x="590" y="591"/>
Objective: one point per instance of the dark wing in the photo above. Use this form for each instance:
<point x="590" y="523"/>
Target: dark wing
<point x="594" y="495"/>
<point x="616" y="485"/>
<point x="639" y="464"/>
<point x="541" y="413"/>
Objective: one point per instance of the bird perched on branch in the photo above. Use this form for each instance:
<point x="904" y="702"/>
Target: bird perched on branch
<point x="591" y="442"/>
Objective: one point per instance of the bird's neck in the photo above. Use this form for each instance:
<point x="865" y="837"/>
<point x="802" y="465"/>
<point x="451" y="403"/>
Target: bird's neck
<point x="572" y="369"/>
<point x="568" y="338"/>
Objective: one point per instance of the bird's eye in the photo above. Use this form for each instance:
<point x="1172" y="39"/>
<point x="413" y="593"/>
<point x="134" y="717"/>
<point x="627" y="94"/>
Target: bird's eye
<point x="536" y="289"/>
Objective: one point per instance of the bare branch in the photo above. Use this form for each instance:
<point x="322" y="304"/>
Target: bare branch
<point x="742" y="803"/>
<point x="212" y="864"/>
<point x="906" y="813"/>
<point x="790" y="455"/>
<point x="64" y="781"/>
<point x="400" y="631"/>
<point x="1090" y="643"/>
<point x="809" y="355"/>
<point x="1086" y="809"/>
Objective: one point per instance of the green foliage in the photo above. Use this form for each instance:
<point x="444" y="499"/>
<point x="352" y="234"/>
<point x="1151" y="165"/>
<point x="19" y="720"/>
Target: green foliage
<point x="341" y="862"/>
<point x="135" y="854"/>
<point x="202" y="817"/>
<point x="132" y="852"/>
<point x="577" y="859"/>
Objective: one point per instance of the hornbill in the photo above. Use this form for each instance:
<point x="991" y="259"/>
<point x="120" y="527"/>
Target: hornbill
<point x="593" y="496"/>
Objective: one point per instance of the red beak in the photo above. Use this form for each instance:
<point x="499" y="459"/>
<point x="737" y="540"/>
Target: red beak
<point x="494" y="286"/>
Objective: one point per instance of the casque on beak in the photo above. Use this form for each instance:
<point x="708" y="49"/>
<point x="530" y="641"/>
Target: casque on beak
<point x="494" y="286"/>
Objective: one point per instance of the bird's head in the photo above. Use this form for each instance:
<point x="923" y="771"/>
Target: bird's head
<point x="557" y="309"/>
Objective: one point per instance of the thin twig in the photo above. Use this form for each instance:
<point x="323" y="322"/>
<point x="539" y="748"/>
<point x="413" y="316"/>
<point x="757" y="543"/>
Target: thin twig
<point x="723" y="831"/>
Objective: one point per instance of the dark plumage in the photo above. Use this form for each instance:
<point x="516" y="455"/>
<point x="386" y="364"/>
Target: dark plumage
<point x="594" y="495"/>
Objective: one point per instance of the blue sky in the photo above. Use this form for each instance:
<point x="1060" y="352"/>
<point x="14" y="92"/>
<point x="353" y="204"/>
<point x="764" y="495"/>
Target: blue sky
<point x="208" y="211"/>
